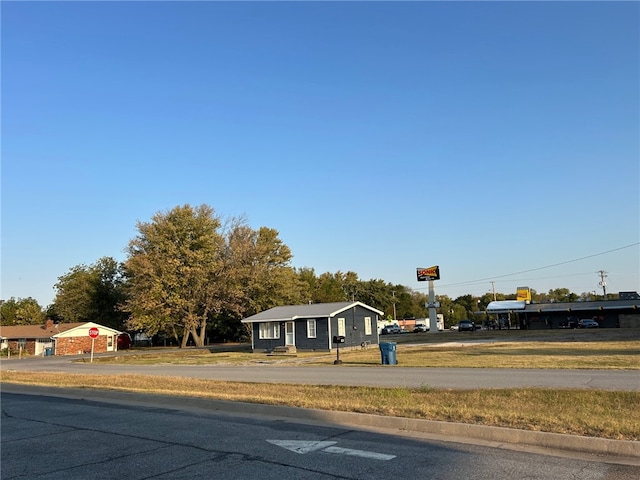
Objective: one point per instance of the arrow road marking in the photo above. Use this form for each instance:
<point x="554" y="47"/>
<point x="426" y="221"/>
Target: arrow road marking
<point x="302" y="447"/>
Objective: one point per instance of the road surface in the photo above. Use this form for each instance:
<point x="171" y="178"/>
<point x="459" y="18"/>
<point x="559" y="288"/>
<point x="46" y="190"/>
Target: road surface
<point x="381" y="376"/>
<point x="47" y="437"/>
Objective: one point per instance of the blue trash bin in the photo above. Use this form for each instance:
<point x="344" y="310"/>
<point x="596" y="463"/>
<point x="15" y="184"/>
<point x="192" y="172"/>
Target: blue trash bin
<point x="48" y="352"/>
<point x="388" y="353"/>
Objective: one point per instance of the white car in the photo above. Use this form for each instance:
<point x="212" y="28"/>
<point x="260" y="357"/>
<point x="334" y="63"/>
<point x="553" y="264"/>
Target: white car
<point x="588" y="323"/>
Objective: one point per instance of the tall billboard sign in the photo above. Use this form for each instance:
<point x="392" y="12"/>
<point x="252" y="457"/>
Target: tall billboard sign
<point x="429" y="273"/>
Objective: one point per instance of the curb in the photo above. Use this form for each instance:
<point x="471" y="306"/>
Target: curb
<point x="447" y="431"/>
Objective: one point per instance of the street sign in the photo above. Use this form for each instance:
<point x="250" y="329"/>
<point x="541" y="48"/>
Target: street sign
<point x="432" y="305"/>
<point x="94" y="332"/>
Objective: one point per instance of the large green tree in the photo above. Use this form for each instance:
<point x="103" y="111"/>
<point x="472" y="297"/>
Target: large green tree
<point x="23" y="311"/>
<point x="91" y="293"/>
<point x="258" y="276"/>
<point x="191" y="275"/>
<point x="175" y="265"/>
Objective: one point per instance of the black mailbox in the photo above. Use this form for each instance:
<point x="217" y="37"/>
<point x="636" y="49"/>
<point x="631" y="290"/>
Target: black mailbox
<point x="338" y="339"/>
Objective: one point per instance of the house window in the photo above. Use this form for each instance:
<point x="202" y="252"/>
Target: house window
<point x="269" y="330"/>
<point x="311" y="328"/>
<point x="342" y="331"/>
<point x="367" y="325"/>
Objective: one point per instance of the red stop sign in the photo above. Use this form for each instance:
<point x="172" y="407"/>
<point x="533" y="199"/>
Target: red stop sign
<point x="94" y="332"/>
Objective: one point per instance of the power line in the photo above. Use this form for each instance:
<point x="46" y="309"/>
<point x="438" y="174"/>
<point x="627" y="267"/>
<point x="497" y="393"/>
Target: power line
<point x="470" y="282"/>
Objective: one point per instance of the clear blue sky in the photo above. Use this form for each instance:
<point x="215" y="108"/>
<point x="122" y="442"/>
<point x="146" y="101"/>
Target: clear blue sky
<point x="486" y="138"/>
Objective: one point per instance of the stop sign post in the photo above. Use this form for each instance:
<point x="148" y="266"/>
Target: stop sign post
<point x="93" y="333"/>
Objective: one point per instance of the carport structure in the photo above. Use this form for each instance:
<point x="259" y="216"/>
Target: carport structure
<point x="623" y="313"/>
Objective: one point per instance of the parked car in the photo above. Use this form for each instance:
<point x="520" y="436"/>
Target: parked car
<point x="420" y="328"/>
<point x="390" y="330"/>
<point x="570" y="322"/>
<point x="588" y="323"/>
<point x="454" y="327"/>
<point x="124" y="341"/>
<point x="467" y="325"/>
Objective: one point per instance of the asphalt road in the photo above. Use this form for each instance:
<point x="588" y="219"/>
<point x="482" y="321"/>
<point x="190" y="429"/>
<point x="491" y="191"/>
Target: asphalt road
<point x="74" y="438"/>
<point x="383" y="376"/>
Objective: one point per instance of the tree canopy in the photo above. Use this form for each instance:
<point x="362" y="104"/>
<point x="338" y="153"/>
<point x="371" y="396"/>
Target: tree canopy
<point x="23" y="311"/>
<point x="173" y="269"/>
<point x="91" y="293"/>
<point x="191" y="275"/>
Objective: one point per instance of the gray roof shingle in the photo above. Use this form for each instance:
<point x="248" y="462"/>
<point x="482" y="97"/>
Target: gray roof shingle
<point x="313" y="310"/>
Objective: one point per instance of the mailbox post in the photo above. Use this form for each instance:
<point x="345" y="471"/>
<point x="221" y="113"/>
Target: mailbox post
<point x="338" y="339"/>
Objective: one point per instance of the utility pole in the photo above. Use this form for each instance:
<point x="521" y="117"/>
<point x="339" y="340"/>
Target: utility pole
<point x="493" y="288"/>
<point x="603" y="283"/>
<point x="393" y="292"/>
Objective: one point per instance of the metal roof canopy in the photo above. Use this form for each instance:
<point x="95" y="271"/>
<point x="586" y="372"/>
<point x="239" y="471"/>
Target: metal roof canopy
<point x="505" y="306"/>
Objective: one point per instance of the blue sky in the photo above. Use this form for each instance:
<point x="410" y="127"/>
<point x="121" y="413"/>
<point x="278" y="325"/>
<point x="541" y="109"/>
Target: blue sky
<point x="490" y="138"/>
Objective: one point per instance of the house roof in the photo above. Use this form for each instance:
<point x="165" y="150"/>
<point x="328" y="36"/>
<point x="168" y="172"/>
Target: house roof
<point x="50" y="330"/>
<point x="312" y="310"/>
<point x="36" y="331"/>
<point x="82" y="330"/>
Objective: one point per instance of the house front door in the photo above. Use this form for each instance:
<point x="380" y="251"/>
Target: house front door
<point x="111" y="343"/>
<point x="289" y="333"/>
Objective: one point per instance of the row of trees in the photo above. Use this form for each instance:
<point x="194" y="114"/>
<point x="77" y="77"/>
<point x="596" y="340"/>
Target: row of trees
<point x="191" y="275"/>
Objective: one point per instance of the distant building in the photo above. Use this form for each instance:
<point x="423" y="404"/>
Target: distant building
<point x="58" y="338"/>
<point x="622" y="313"/>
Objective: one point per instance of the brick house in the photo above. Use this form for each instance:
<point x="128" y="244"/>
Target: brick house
<point x="58" y="338"/>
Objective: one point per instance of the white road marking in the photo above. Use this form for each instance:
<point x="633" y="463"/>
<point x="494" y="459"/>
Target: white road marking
<point x="359" y="453"/>
<point x="306" y="446"/>
<point x="299" y="446"/>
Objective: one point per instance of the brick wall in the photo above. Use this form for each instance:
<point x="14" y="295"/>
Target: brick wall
<point x="75" y="345"/>
<point x="29" y="347"/>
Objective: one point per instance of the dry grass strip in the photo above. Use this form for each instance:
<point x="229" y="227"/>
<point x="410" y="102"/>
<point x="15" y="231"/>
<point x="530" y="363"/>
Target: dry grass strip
<point x="612" y="415"/>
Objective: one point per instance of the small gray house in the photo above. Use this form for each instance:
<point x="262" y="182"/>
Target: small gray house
<point x="313" y="326"/>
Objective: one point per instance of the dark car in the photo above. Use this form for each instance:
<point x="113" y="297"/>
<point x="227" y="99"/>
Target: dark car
<point x="570" y="322"/>
<point x="123" y="341"/>
<point x="466" y="325"/>
<point x="390" y="330"/>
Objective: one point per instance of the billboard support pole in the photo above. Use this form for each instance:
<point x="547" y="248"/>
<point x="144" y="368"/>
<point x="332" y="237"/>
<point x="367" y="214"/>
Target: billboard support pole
<point x="433" y="318"/>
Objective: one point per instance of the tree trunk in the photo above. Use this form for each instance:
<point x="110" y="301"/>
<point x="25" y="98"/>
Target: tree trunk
<point x="198" y="337"/>
<point x="185" y="338"/>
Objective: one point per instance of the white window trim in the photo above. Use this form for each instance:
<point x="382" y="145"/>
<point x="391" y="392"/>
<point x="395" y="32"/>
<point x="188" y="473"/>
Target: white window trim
<point x="311" y="331"/>
<point x="367" y="325"/>
<point x="342" y="327"/>
<point x="268" y="330"/>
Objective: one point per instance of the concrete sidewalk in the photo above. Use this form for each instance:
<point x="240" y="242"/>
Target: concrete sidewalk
<point x="615" y="451"/>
